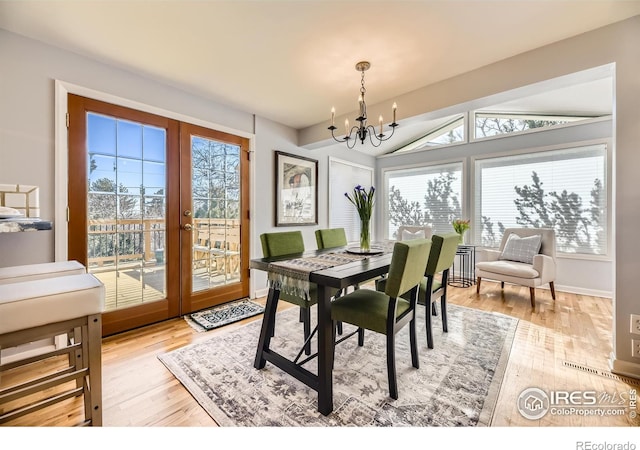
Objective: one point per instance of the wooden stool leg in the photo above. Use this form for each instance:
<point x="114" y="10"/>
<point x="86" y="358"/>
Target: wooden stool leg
<point x="94" y="339"/>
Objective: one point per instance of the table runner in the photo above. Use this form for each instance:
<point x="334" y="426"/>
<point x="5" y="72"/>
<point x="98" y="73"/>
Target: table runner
<point x="292" y="276"/>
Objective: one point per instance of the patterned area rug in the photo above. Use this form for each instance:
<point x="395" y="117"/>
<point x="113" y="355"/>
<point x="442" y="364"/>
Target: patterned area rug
<point x="457" y="383"/>
<point x="215" y="317"/>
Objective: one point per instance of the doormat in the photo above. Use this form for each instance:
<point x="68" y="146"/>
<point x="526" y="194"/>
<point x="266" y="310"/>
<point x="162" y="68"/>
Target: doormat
<point x="220" y="315"/>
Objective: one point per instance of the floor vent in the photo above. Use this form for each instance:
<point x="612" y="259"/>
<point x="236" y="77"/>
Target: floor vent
<point x="602" y="373"/>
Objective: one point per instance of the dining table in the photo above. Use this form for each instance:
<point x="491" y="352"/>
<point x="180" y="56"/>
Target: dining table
<point x="370" y="265"/>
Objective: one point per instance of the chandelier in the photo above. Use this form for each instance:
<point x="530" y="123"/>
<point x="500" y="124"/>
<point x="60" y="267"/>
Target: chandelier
<point x="362" y="129"/>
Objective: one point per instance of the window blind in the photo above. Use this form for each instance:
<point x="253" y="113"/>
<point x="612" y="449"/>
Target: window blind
<point x="344" y="176"/>
<point x="561" y="189"/>
<point x="428" y="195"/>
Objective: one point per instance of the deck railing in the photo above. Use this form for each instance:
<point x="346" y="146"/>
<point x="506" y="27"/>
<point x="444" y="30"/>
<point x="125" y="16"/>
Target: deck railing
<point x="130" y="241"/>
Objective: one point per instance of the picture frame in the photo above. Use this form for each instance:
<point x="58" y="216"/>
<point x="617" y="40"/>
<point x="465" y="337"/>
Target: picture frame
<point x="296" y="195"/>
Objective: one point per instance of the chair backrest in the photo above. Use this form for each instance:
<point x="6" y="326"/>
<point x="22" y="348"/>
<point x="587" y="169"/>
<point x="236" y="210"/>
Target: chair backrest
<point x="548" y="246"/>
<point x="408" y="263"/>
<point x="331" y="237"/>
<point x="443" y="252"/>
<point x="282" y="243"/>
<point x="407" y="232"/>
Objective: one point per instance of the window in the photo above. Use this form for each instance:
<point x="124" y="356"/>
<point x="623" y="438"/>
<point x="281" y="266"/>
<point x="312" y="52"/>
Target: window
<point x="451" y="132"/>
<point x="561" y="189"/>
<point x="430" y="195"/>
<point x="489" y="124"/>
<point x="343" y="177"/>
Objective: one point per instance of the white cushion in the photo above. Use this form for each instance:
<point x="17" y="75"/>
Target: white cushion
<point x="508" y="268"/>
<point x="30" y="304"/>
<point x="5" y="210"/>
<point x="521" y="249"/>
<point x="408" y="235"/>
<point x="30" y="272"/>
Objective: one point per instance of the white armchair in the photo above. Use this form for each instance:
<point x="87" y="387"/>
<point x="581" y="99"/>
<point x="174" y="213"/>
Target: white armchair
<point x="541" y="270"/>
<point x="409" y="232"/>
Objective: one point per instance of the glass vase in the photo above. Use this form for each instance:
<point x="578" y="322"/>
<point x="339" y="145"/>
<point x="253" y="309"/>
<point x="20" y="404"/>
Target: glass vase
<point x="365" y="236"/>
<point x="461" y="238"/>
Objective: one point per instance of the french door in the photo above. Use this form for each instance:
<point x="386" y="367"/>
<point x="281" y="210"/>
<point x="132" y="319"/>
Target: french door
<point x="158" y="211"/>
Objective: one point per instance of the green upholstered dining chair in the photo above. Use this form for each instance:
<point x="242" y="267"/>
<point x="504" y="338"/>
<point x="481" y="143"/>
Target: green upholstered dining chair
<point x="436" y="275"/>
<point x="387" y="312"/>
<point x="287" y="243"/>
<point x="331" y="238"/>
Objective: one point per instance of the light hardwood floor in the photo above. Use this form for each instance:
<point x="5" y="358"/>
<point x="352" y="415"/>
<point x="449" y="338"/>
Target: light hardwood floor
<point x="550" y="342"/>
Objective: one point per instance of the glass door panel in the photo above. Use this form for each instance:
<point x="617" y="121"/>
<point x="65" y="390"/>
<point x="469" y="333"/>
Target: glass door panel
<point x="126" y="203"/>
<point x="214" y="173"/>
<point x="216" y="213"/>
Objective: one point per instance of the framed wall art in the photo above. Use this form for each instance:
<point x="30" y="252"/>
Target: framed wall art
<point x="296" y="190"/>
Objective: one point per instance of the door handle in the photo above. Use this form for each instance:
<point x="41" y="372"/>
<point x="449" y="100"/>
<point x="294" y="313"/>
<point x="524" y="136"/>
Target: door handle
<point x="187" y="227"/>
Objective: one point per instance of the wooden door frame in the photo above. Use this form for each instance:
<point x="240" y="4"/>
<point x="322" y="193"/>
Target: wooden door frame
<point x="196" y="301"/>
<point x="139" y="315"/>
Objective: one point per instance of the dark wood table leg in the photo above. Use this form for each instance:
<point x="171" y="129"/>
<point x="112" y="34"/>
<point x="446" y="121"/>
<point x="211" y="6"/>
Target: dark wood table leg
<point x="268" y="324"/>
<point x="325" y="351"/>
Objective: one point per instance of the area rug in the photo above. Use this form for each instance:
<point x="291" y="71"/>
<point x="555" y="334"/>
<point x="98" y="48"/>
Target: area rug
<point x="456" y="385"/>
<point x="220" y="315"/>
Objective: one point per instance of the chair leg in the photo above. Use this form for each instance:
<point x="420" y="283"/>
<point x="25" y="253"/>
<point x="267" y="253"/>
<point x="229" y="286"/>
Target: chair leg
<point x="429" y="333"/>
<point x="434" y="309"/>
<point x="307" y="330"/>
<point x="443" y="307"/>
<point x="360" y="337"/>
<point x="428" y="309"/>
<point x="302" y="314"/>
<point x="478" y="285"/>
<point x="532" y="291"/>
<point x="553" y="290"/>
<point x="339" y="327"/>
<point x="391" y="366"/>
<point x="502" y="285"/>
<point x="413" y="339"/>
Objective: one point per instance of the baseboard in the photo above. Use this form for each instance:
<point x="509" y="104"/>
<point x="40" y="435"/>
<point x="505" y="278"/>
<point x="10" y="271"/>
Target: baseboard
<point x="583" y="291"/>
<point x="570" y="289"/>
<point x="260" y="293"/>
<point x="625" y="368"/>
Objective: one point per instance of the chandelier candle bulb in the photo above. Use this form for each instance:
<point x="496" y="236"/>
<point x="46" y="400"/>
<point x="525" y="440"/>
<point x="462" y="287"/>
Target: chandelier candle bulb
<point x="346" y="127"/>
<point x="380" y="120"/>
<point x="333" y="116"/>
<point x="394" y="111"/>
